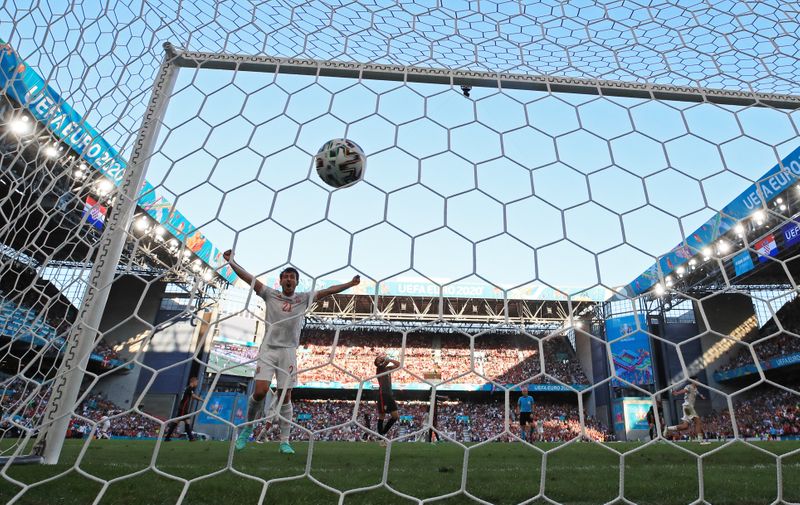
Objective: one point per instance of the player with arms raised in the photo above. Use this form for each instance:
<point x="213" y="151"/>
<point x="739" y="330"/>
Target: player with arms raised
<point x="384" y="366"/>
<point x="277" y="356"/>
<point x="690" y="420"/>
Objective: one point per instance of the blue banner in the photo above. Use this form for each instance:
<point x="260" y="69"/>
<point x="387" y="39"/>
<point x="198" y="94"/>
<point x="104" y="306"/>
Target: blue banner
<point x="630" y="416"/>
<point x="29" y="89"/>
<point x="768" y="187"/>
<point x="630" y="349"/>
<point x="636" y="414"/>
<point x="743" y="263"/>
<point x="618" y="414"/>
<point x="791" y="234"/>
<point x="221" y="406"/>
<point x="780" y="361"/>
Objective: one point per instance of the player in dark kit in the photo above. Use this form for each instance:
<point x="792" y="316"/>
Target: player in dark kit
<point x="651" y="422"/>
<point x="386" y="403"/>
<point x="183" y="411"/>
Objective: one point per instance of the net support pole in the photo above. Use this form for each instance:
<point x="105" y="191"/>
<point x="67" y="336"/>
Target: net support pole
<point x="82" y="336"/>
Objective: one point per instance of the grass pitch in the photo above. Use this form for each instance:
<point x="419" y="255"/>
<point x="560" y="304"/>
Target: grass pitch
<point x="500" y="473"/>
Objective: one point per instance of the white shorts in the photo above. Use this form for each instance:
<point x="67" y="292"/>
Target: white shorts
<point x="689" y="413"/>
<point x="279" y="363"/>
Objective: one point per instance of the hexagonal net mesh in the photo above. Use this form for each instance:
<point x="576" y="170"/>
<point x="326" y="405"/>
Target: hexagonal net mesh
<point x="571" y="259"/>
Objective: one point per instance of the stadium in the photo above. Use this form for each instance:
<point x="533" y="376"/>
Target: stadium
<point x="572" y="230"/>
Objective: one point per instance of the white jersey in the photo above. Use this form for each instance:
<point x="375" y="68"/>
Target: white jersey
<point x="690" y="396"/>
<point x="284" y="317"/>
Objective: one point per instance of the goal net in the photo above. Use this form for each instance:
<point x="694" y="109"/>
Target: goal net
<point x="576" y="239"/>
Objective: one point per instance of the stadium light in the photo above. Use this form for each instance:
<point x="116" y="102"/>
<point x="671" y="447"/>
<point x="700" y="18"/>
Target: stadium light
<point x="51" y="151"/>
<point x="706" y="253"/>
<point x="723" y="247"/>
<point x="659" y="290"/>
<point x="141" y="224"/>
<point x="759" y="217"/>
<point x="104" y="187"/>
<point x="668" y="280"/>
<point x="739" y="229"/>
<point x="21" y="125"/>
<point x="207" y="275"/>
<point x="681" y="270"/>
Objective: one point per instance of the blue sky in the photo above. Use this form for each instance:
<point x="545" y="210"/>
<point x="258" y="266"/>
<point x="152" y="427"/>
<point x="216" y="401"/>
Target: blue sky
<point x="583" y="188"/>
<point x="570" y="190"/>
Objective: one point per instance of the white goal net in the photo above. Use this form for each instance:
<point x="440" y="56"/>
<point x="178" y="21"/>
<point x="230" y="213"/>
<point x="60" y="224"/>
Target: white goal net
<point x="590" y="204"/>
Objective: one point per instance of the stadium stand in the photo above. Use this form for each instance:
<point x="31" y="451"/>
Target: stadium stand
<point x="503" y="358"/>
<point x="20" y="411"/>
<point x="764" y="413"/>
<point x="780" y="344"/>
<point x="463" y="421"/>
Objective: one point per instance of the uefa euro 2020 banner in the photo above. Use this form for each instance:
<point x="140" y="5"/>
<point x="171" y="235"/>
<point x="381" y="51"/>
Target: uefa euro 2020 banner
<point x="630" y="349"/>
<point x="25" y="86"/>
<point x="765" y="190"/>
<point x="629" y="415"/>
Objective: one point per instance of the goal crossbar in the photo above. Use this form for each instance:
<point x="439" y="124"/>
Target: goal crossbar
<point x="416" y="74"/>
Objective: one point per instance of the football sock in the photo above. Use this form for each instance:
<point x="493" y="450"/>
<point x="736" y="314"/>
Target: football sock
<point x="388" y="426"/>
<point x="287" y="413"/>
<point x="254" y="408"/>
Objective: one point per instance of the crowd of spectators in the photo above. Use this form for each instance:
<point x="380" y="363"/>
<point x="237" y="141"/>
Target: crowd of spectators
<point x="782" y="344"/>
<point x="121" y="423"/>
<point x="502" y="358"/>
<point x="767" y="413"/>
<point x="458" y="420"/>
<point x="106" y="353"/>
<point x="22" y="406"/>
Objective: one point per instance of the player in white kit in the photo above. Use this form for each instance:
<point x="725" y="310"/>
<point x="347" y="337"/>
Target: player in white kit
<point x="690" y="420"/>
<point x="277" y="356"/>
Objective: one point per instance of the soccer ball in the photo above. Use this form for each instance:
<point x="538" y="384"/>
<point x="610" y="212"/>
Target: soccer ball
<point x="340" y="163"/>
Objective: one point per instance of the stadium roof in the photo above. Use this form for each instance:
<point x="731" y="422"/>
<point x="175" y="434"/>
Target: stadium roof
<point x="757" y="197"/>
<point x="25" y="86"/>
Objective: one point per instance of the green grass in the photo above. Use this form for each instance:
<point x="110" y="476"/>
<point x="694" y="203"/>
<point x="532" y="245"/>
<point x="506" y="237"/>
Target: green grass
<point x="501" y="473"/>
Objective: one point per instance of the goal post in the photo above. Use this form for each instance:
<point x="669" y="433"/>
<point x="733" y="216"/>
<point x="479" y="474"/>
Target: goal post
<point x="83" y="334"/>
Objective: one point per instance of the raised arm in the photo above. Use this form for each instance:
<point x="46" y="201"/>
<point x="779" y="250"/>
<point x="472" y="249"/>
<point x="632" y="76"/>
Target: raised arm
<point x="322" y="293"/>
<point x="243" y="274"/>
<point x="392" y="364"/>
